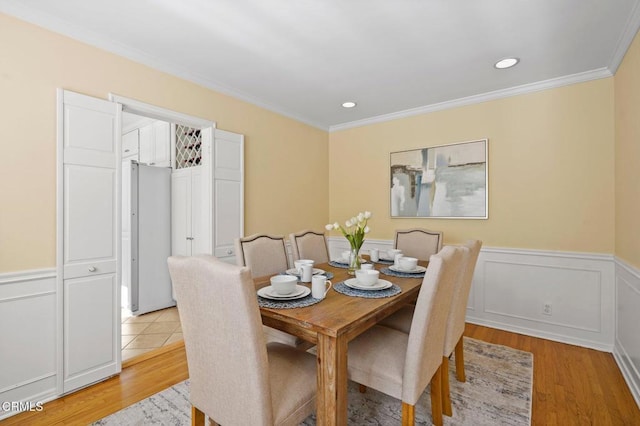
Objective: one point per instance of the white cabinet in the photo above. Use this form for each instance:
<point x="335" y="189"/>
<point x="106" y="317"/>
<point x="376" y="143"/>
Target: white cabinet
<point x="130" y="145"/>
<point x="190" y="233"/>
<point x="155" y="144"/>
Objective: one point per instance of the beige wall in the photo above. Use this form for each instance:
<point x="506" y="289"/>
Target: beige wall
<point x="627" y="125"/>
<point x="551" y="169"/>
<point x="283" y="158"/>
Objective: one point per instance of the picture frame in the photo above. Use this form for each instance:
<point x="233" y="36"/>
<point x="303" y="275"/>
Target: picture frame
<point x="441" y="182"/>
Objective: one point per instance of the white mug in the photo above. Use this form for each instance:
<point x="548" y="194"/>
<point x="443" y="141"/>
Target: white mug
<point x="298" y="265"/>
<point x="366" y="266"/>
<point x="319" y="287"/>
<point x="306" y="272"/>
<point x="374" y="254"/>
<point x="396" y="260"/>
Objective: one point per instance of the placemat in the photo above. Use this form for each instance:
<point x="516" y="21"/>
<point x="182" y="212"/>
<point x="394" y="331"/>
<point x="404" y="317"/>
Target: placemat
<point x="393" y="273"/>
<point x="342" y="288"/>
<point x="287" y="304"/>
<point x="383" y="262"/>
<point x="337" y="264"/>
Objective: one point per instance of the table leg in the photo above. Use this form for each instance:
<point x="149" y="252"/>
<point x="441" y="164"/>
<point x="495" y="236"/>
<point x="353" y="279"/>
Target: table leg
<point x="332" y="381"/>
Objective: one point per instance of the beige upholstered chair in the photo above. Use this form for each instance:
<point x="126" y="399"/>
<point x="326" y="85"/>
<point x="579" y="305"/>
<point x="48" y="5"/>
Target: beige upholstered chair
<point x="401" y="320"/>
<point x="402" y="365"/>
<point x="263" y="254"/>
<point x="235" y="377"/>
<point x="309" y="244"/>
<point x="267" y="255"/>
<point x="417" y="242"/>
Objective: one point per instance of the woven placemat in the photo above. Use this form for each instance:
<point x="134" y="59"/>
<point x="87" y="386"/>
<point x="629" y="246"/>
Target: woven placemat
<point x="327" y="274"/>
<point x="337" y="264"/>
<point x="393" y="273"/>
<point x="342" y="288"/>
<point x="287" y="304"/>
<point x="383" y="262"/>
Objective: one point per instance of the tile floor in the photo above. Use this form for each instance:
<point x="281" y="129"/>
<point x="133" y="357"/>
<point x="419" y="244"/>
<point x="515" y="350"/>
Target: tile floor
<point x="150" y="331"/>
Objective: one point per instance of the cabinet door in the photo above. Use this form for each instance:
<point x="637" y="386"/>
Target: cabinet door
<point x="147" y="145"/>
<point x="162" y="144"/>
<point x="88" y="239"/>
<point x="181" y="212"/>
<point x="228" y="192"/>
<point x="130" y="145"/>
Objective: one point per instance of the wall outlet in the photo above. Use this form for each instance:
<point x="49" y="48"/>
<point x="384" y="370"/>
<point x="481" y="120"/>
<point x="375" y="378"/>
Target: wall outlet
<point x="547" y="309"/>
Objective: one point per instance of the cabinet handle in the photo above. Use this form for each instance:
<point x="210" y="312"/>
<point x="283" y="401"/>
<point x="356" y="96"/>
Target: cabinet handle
<point x="189" y="238"/>
<point x="229" y="251"/>
<point x="127" y="150"/>
<point x="92" y="269"/>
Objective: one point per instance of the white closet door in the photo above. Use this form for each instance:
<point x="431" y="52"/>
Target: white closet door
<point x="228" y="192"/>
<point x="181" y="212"/>
<point x="88" y="238"/>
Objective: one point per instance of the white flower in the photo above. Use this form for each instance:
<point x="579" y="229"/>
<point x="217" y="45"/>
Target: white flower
<point x="336" y="225"/>
<point x="348" y="223"/>
<point x="366" y="229"/>
<point x="367" y="215"/>
<point x="329" y="227"/>
<point x="360" y="217"/>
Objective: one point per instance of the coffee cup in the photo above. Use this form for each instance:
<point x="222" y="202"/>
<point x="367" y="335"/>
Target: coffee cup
<point x="306" y="272"/>
<point x="319" y="287"/>
<point x="284" y="284"/>
<point x="396" y="259"/>
<point x="391" y="254"/>
<point x="366" y="266"/>
<point x="374" y="254"/>
<point x="346" y="255"/>
<point x="408" y="263"/>
<point x="368" y="277"/>
<point x="298" y="264"/>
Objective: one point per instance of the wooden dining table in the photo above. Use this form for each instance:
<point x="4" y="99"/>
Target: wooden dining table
<point x="331" y="324"/>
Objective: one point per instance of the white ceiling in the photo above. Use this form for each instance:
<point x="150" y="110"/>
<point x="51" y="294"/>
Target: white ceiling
<point x="303" y="58"/>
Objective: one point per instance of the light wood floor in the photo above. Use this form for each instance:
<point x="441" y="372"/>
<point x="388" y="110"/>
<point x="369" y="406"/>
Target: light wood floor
<point x="571" y="386"/>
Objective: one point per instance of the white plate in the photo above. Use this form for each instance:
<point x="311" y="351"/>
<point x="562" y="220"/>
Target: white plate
<point x="380" y="285"/>
<point x="300" y="292"/>
<point x="419" y="269"/>
<point x="294" y="271"/>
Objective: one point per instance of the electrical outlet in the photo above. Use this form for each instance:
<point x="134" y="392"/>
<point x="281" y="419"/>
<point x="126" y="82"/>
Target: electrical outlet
<point x="547" y="309"/>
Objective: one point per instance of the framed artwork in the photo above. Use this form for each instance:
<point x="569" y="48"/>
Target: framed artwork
<point x="447" y="181"/>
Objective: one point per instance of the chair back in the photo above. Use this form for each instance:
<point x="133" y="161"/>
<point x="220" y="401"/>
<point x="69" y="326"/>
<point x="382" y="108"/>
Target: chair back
<point x="428" y="326"/>
<point x="417" y="242"/>
<point x="458" y="312"/>
<point x="309" y="244"/>
<point x="263" y="254"/>
<point x="226" y="350"/>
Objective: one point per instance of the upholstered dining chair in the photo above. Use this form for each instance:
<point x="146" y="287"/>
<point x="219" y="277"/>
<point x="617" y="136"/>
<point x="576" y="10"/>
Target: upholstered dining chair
<point x="454" y="341"/>
<point x="402" y="365"/>
<point x="236" y="378"/>
<point x="309" y="244"/>
<point x="417" y="242"/>
<point x="266" y="255"/>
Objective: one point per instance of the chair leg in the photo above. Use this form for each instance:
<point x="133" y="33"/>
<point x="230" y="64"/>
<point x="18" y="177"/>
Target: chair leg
<point x="197" y="417"/>
<point x="460" y="361"/>
<point x="436" y="397"/>
<point x="362" y="388"/>
<point x="446" y="396"/>
<point x="408" y="414"/>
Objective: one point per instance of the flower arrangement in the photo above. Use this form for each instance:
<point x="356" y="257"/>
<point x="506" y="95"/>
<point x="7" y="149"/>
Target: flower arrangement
<point x="354" y="231"/>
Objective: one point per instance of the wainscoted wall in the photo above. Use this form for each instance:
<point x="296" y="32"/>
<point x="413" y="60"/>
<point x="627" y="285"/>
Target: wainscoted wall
<point x="627" y="342"/>
<point x="28" y="355"/>
<point x="511" y="288"/>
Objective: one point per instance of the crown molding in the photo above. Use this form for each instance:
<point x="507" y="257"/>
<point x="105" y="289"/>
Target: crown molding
<point x="484" y="97"/>
<point x="629" y="33"/>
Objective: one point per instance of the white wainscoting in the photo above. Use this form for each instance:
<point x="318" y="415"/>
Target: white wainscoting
<point x="511" y="287"/>
<point x="627" y="343"/>
<point x="28" y="355"/>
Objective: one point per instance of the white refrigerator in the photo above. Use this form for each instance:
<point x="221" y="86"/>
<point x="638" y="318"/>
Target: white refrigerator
<point x="146" y="218"/>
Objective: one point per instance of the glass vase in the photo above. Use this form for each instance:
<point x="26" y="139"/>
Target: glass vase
<point x="354" y="260"/>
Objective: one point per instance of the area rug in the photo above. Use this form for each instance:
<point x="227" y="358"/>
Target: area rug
<point x="497" y="392"/>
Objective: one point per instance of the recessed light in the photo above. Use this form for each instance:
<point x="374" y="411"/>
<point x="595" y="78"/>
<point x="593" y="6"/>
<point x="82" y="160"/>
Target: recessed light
<point x="349" y="104"/>
<point x="506" y="63"/>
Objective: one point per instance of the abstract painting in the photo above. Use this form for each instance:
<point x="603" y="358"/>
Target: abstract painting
<point x="447" y="181"/>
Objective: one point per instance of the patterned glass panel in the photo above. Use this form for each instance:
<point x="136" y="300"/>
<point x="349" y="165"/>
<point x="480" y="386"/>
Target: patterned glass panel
<point x="188" y="147"/>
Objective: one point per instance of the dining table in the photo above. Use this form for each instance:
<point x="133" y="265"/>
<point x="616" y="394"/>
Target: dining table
<point x="330" y="324"/>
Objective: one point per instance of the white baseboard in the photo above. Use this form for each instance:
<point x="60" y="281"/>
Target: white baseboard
<point x="627" y="343"/>
<point x="28" y="301"/>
